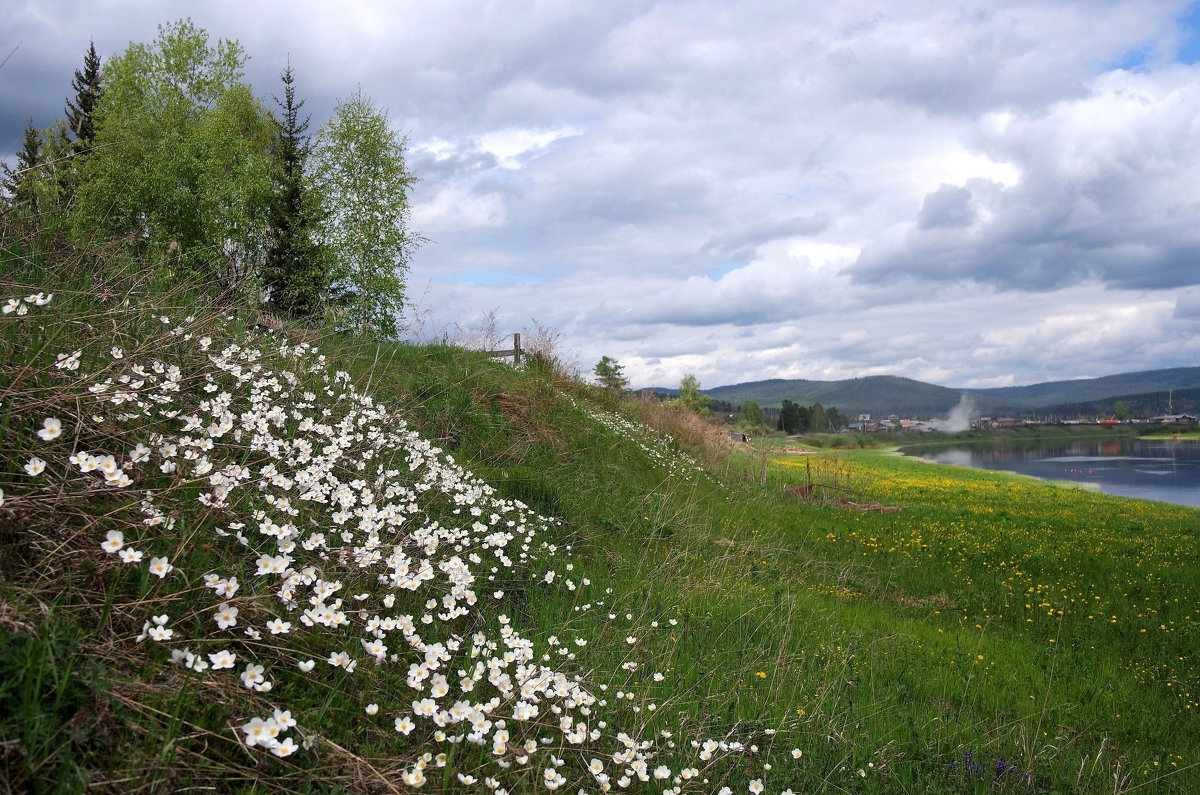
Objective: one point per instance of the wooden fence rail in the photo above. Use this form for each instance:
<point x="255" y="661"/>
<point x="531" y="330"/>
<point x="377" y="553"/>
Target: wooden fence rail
<point x="514" y="351"/>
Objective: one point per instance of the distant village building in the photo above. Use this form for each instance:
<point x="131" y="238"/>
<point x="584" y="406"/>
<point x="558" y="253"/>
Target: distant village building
<point x="1173" y="419"/>
<point x="1000" y="422"/>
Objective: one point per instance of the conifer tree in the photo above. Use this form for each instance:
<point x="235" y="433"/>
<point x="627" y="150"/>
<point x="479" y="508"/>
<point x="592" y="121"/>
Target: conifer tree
<point x="20" y="183"/>
<point x="611" y="374"/>
<point x="79" y="111"/>
<point x="295" y="272"/>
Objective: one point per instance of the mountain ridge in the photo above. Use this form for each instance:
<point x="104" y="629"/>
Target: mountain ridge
<point x="888" y="394"/>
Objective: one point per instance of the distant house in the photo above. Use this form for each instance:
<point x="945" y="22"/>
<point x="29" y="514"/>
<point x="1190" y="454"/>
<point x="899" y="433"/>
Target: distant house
<point x="1174" y="419"/>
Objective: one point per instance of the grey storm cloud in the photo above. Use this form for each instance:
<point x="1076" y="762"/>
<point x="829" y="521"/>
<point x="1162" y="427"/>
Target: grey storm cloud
<point x="1107" y="191"/>
<point x="948" y="206"/>
<point x="1187" y="306"/>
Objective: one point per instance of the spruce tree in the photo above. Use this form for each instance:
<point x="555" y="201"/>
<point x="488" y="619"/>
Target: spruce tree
<point x="20" y="183"/>
<point x="295" y="273"/>
<point x="87" y="91"/>
<point x="611" y="374"/>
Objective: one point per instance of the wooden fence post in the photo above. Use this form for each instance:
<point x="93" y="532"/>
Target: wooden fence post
<point x="517" y="348"/>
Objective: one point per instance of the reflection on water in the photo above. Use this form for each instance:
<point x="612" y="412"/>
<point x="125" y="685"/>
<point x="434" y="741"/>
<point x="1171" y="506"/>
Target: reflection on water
<point x="1167" y="471"/>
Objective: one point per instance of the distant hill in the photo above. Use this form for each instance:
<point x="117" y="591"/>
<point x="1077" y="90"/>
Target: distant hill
<point x="881" y="395"/>
<point x="1149" y="404"/>
<point x="1105" y="387"/>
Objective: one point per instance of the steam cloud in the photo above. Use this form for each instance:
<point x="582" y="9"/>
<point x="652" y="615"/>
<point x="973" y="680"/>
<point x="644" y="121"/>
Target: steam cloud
<point x="959" y="418"/>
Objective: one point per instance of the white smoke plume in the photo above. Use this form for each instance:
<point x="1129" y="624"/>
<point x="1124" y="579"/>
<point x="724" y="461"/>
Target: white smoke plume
<point x="959" y="418"/>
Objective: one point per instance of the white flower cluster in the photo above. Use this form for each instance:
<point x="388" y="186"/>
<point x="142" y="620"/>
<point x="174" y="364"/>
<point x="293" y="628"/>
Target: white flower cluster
<point x="362" y="542"/>
<point x="677" y="462"/>
<point x="21" y="307"/>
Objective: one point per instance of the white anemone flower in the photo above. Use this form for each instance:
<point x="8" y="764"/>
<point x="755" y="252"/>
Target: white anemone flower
<point x="253" y="675"/>
<point x="160" y="633"/>
<point x="285" y="748"/>
<point x="35" y="466"/>
<point x="113" y="542"/>
<point x="51" y="429"/>
<point x="226" y="616"/>
<point x="160" y="568"/>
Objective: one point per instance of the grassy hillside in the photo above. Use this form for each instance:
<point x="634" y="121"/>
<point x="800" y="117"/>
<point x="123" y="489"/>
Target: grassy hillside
<point x="314" y="565"/>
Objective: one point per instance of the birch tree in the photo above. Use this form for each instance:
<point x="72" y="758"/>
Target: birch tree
<point x="360" y="173"/>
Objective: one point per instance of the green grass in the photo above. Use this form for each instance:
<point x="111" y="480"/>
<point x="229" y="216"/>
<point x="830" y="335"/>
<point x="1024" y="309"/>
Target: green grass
<point x="993" y="633"/>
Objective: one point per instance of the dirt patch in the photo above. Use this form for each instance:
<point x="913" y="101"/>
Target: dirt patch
<point x="870" y="507"/>
<point x="939" y="601"/>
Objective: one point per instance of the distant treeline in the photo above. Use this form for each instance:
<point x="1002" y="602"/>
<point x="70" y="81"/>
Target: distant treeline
<point x="791" y="417"/>
<point x="1180" y="401"/>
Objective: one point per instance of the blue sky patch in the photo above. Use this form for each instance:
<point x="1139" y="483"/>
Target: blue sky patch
<point x="1189" y="49"/>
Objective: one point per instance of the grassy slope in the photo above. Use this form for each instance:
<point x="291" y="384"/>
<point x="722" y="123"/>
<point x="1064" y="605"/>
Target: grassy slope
<point x="896" y="644"/>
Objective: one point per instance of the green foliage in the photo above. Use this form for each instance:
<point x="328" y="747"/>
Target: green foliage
<point x="47" y="709"/>
<point x="690" y="397"/>
<point x="295" y="272"/>
<point x="610" y="374"/>
<point x="359" y="170"/>
<point x="752" y="416"/>
<point x="817" y="421"/>
<point x="790" y="418"/>
<point x="180" y="162"/>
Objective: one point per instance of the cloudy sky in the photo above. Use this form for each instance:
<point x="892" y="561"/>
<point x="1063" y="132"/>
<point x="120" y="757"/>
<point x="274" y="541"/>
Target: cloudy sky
<point x="975" y="193"/>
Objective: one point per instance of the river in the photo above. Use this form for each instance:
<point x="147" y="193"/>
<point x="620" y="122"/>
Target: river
<point x="1162" y="470"/>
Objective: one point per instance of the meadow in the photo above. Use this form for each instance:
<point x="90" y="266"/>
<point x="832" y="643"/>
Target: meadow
<point x="289" y="561"/>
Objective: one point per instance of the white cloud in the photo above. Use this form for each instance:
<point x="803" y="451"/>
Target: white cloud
<point x="513" y="147"/>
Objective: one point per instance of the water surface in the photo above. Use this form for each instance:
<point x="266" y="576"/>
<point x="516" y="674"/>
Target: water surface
<point x="1167" y="471"/>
